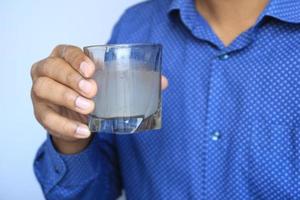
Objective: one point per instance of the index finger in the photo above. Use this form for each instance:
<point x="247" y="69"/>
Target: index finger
<point x="76" y="58"/>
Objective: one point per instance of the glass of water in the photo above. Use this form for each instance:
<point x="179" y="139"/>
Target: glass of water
<point x="128" y="77"/>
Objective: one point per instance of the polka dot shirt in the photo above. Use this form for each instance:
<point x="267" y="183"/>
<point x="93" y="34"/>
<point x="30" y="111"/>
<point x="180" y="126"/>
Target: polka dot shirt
<point x="231" y="115"/>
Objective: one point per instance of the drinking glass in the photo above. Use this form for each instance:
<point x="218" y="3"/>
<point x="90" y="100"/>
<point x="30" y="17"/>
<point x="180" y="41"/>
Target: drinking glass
<point x="128" y="78"/>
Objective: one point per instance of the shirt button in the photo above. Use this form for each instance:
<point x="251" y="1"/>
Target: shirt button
<point x="215" y="136"/>
<point x="224" y="56"/>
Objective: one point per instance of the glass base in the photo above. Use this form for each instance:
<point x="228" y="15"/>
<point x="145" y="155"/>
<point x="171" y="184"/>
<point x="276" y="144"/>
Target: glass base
<point x="125" y="125"/>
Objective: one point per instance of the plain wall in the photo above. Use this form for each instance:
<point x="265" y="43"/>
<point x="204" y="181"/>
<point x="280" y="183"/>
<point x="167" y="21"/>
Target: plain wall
<point x="28" y="31"/>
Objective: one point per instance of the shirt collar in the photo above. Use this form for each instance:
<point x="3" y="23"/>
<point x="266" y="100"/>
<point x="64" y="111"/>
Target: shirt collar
<point x="284" y="10"/>
<point x="175" y="5"/>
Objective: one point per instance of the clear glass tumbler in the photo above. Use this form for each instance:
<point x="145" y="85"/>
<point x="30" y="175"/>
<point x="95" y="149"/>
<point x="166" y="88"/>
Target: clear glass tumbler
<point x="129" y="87"/>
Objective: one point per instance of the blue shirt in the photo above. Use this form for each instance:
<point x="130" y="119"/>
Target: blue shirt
<point x="231" y="115"/>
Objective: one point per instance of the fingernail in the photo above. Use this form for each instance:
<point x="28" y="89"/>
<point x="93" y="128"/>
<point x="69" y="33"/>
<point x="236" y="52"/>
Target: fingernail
<point x="82" y="103"/>
<point x="85" y="86"/>
<point x="84" y="68"/>
<point x="82" y="132"/>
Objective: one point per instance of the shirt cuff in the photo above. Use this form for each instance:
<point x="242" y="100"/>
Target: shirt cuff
<point x="52" y="167"/>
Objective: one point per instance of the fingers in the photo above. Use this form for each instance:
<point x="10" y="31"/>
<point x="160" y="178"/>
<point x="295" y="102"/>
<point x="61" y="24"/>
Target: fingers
<point x="164" y="82"/>
<point x="58" y="94"/>
<point x="58" y="125"/>
<point x="57" y="69"/>
<point x="76" y="58"/>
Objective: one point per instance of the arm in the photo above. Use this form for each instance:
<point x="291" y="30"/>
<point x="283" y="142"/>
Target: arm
<point x="72" y="163"/>
<point x="91" y="174"/>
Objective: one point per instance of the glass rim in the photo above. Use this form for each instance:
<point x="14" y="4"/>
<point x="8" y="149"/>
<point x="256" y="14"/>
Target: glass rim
<point x="128" y="45"/>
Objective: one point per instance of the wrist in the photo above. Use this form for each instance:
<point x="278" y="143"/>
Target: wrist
<point x="70" y="147"/>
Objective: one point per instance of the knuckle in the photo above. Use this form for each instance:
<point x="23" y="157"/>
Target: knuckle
<point x="71" y="51"/>
<point x="59" y="46"/>
<point x="59" y="49"/>
<point x="45" y="120"/>
<point x="65" y="127"/>
<point x="38" y="86"/>
<point x="71" y="78"/>
<point x="75" y="56"/>
<point x="69" y="98"/>
<point x="49" y="62"/>
<point x="79" y="57"/>
<point x="43" y="67"/>
<point x="64" y="51"/>
<point x="73" y="48"/>
<point x="33" y="70"/>
<point x="32" y="96"/>
<point x="37" y="115"/>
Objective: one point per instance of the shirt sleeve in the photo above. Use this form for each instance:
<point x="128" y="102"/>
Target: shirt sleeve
<point x="91" y="174"/>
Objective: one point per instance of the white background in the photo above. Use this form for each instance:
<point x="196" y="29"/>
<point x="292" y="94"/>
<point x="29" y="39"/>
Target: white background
<point x="28" y="31"/>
